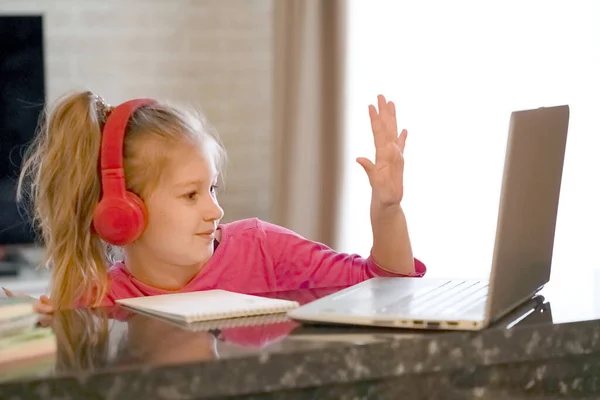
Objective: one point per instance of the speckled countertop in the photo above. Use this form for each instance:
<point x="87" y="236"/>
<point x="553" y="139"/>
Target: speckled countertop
<point x="544" y="350"/>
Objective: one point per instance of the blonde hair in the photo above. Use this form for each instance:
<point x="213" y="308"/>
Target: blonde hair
<point x="82" y="339"/>
<point x="60" y="176"/>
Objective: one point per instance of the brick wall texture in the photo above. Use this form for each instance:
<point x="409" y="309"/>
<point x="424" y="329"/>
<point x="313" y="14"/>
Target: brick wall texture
<point x="211" y="54"/>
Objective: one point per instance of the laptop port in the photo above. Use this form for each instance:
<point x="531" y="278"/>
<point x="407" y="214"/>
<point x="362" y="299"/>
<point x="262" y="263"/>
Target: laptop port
<point x="417" y="322"/>
<point x="452" y="323"/>
<point x="431" y="324"/>
<point x="382" y="322"/>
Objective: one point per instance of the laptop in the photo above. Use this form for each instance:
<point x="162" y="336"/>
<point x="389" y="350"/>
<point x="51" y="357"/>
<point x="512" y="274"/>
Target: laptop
<point x="522" y="255"/>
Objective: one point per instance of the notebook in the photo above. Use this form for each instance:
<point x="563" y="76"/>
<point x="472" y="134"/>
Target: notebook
<point x="27" y="354"/>
<point x="207" y="305"/>
<point x="15" y="307"/>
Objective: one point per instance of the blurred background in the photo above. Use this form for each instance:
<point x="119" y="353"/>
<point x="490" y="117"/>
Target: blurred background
<point x="287" y="83"/>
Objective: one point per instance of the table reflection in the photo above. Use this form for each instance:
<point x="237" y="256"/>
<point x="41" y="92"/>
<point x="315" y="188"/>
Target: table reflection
<point x="112" y="338"/>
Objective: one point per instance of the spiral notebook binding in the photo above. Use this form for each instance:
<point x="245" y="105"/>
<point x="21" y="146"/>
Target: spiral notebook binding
<point x="221" y="324"/>
<point x="240" y="313"/>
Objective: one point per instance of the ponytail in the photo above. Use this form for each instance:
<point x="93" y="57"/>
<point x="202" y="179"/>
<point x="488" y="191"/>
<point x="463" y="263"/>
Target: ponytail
<point x="60" y="177"/>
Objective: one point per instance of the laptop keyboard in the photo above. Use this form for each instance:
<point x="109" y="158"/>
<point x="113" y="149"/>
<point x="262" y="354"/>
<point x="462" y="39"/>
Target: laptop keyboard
<point x="452" y="298"/>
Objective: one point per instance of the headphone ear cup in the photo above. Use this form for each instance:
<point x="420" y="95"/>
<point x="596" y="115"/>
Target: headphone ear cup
<point x="120" y="220"/>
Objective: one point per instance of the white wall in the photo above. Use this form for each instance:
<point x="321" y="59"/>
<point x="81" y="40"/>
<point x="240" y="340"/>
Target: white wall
<point x="456" y="70"/>
<point x="214" y="54"/>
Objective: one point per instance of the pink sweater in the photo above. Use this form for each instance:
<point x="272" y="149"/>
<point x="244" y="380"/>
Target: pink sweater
<point x="254" y="257"/>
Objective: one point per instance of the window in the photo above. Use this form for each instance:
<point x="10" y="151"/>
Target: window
<point x="456" y="70"/>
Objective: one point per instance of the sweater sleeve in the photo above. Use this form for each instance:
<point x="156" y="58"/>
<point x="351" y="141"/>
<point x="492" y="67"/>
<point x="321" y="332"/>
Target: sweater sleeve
<point x="302" y="263"/>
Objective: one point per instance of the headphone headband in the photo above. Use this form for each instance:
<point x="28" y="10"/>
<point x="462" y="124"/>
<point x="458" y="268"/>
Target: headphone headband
<point x="113" y="133"/>
<point x="111" y="152"/>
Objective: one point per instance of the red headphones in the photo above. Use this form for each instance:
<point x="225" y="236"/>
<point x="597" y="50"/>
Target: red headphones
<point x="120" y="217"/>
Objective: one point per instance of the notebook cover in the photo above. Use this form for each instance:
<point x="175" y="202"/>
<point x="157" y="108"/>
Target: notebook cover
<point x="208" y="305"/>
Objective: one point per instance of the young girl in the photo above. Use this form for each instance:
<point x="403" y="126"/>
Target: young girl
<point x="142" y="178"/>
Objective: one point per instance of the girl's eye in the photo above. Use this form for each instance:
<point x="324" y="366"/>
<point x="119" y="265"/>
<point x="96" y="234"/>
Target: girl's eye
<point x="213" y="188"/>
<point x="191" y="195"/>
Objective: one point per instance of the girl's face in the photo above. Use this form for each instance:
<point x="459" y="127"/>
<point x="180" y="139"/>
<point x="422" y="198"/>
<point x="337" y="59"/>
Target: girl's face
<point x="183" y="211"/>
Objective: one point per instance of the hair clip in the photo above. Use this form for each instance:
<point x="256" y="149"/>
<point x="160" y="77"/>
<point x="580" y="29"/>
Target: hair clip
<point x="102" y="110"/>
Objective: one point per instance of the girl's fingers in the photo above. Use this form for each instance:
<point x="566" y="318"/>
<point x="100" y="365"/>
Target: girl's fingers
<point x="43" y="308"/>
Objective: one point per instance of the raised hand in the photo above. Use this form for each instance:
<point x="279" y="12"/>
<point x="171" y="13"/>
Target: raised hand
<point x="386" y="176"/>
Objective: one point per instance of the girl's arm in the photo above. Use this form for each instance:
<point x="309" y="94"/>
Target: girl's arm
<point x="391" y="243"/>
<point x="300" y="263"/>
